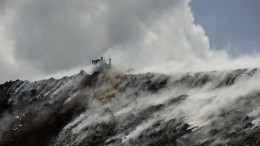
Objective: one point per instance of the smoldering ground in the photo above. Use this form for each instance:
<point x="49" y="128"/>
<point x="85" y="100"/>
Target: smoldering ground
<point x="118" y="108"/>
<point x="196" y="103"/>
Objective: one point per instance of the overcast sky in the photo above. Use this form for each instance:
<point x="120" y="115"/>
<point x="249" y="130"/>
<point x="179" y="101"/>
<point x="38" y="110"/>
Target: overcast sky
<point x="39" y="37"/>
<point x="230" y="23"/>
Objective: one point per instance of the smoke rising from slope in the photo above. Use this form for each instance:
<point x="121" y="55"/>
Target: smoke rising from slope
<point x="42" y="37"/>
<point x="140" y="106"/>
<point x="149" y="102"/>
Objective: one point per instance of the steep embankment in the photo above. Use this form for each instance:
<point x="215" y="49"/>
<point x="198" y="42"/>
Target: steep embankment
<point x="144" y="109"/>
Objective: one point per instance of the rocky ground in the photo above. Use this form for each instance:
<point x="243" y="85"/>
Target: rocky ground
<point x="112" y="108"/>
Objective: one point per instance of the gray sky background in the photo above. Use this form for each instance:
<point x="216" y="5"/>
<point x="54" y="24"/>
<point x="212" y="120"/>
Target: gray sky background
<point x="39" y="37"/>
<point x="232" y="24"/>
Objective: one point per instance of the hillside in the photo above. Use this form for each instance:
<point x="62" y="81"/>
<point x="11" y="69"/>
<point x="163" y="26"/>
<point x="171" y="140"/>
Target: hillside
<point x="112" y="108"/>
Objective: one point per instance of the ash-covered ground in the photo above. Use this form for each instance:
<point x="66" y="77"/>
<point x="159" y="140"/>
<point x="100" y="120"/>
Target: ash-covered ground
<point x="112" y="108"/>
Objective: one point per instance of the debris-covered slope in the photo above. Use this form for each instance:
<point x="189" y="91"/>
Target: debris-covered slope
<point x="207" y="108"/>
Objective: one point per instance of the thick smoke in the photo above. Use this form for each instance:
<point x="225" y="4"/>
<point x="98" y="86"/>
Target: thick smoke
<point x="42" y="37"/>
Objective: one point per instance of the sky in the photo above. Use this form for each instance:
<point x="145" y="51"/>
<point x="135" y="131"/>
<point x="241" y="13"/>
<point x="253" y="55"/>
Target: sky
<point x="232" y="24"/>
<point x="39" y="38"/>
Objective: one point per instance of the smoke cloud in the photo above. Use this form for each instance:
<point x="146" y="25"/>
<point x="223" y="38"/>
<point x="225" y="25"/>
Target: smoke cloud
<point x="42" y="37"/>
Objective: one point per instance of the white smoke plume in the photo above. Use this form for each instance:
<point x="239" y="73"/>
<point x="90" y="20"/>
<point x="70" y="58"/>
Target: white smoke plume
<point x="42" y="37"/>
